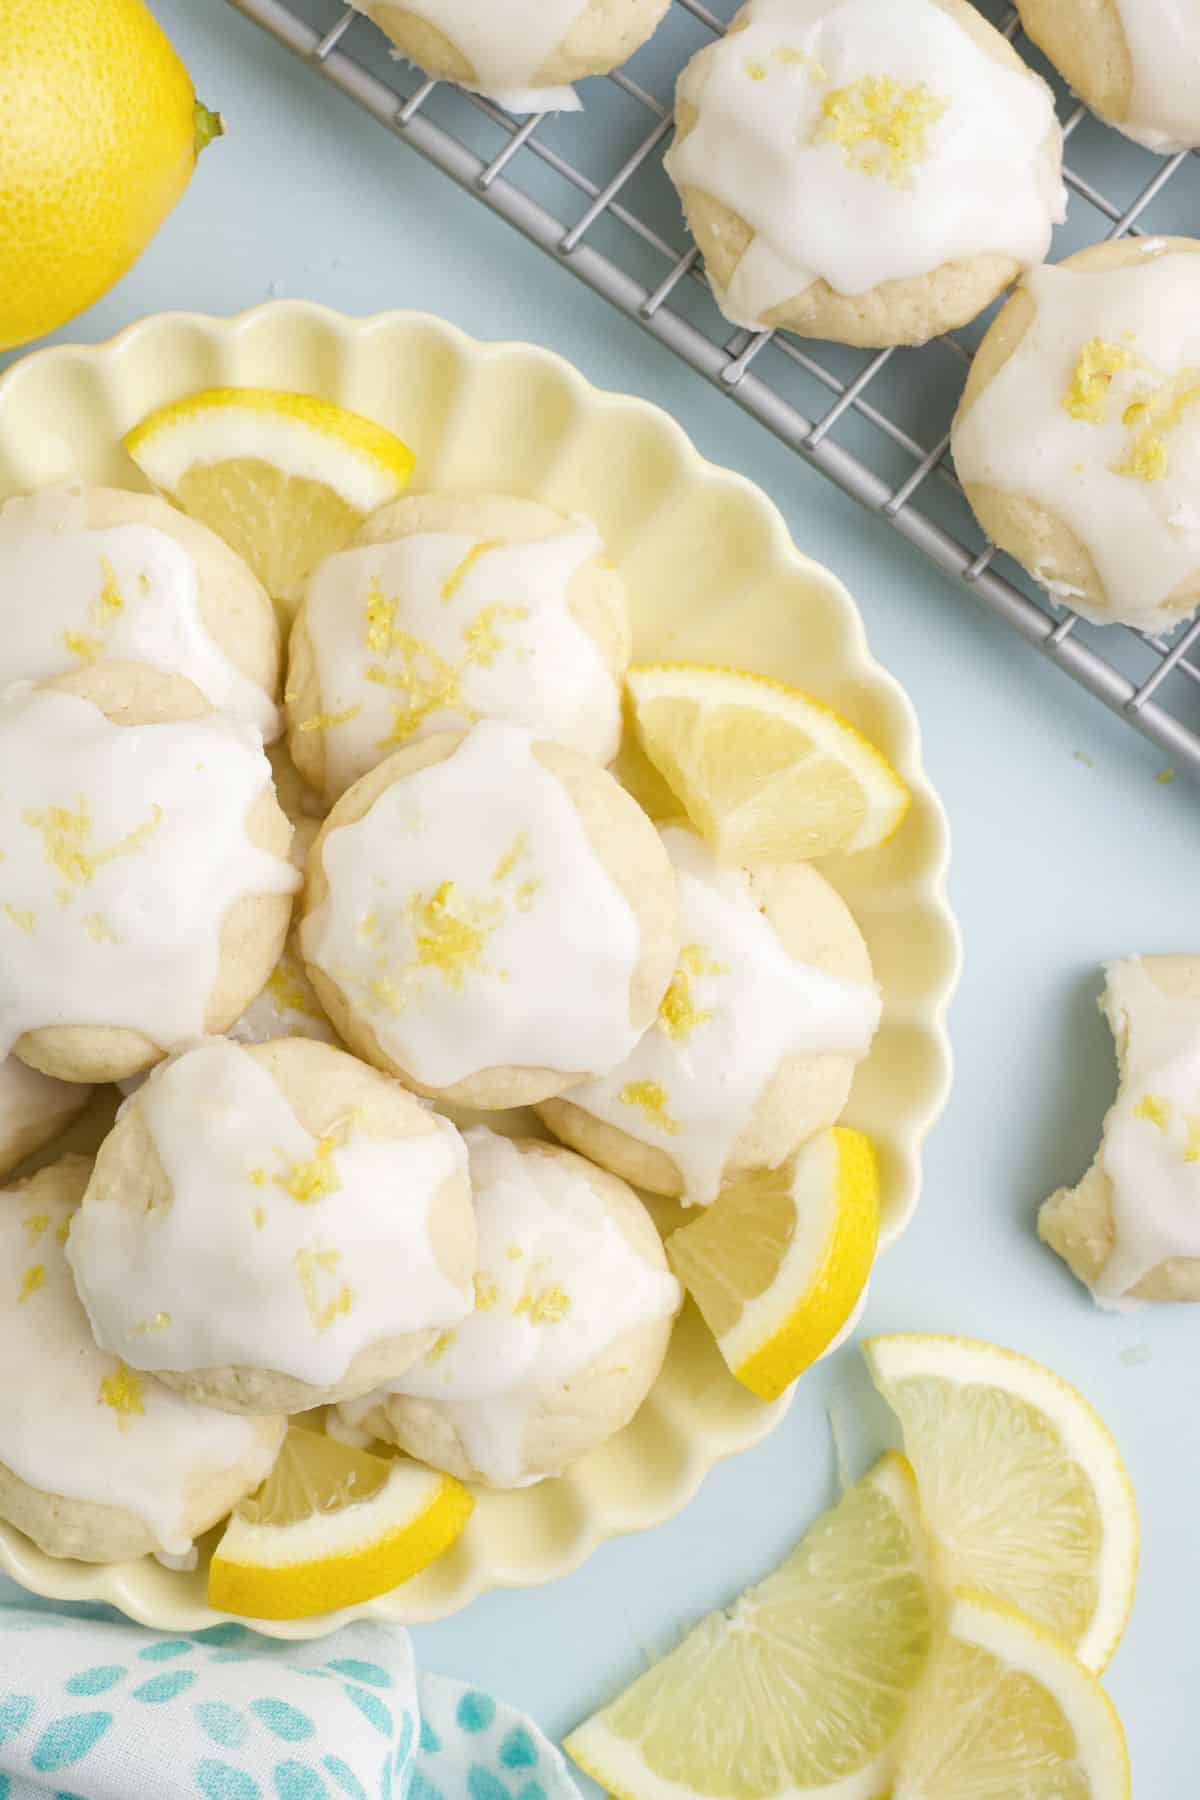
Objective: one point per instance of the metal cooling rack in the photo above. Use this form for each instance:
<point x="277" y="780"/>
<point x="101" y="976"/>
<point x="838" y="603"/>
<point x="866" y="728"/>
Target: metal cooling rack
<point x="589" y="190"/>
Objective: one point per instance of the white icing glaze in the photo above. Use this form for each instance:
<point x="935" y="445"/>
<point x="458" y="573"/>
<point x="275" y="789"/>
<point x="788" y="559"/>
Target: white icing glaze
<point x="543" y="1316"/>
<point x="147" y="824"/>
<point x="439" y="629"/>
<point x="506" y="45"/>
<point x="70" y="595"/>
<point x="1163" y="38"/>
<point x="1143" y="536"/>
<point x="237" y="1271"/>
<point x="142" y="1448"/>
<point x="29" y="1098"/>
<point x="1151" y="1149"/>
<point x="472" y="924"/>
<point x="738" y="1008"/>
<point x="983" y="179"/>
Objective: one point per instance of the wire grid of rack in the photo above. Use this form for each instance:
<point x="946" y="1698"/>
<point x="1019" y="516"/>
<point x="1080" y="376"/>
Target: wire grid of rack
<point x="589" y="189"/>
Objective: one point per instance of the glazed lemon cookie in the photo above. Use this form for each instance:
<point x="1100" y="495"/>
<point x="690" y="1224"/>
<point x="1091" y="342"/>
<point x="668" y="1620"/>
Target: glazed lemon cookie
<point x="771" y="1006"/>
<point x="33" y="1110"/>
<point x="96" y="1461"/>
<point x="91" y="573"/>
<point x="272" y="1227"/>
<point x="1131" y="1229"/>
<point x="446" y="609"/>
<point x="1135" y="62"/>
<point x="145" y="890"/>
<point x="523" y="55"/>
<point x="489" y="917"/>
<point x="573" y="1314"/>
<point x="1078" y="437"/>
<point x="871" y="171"/>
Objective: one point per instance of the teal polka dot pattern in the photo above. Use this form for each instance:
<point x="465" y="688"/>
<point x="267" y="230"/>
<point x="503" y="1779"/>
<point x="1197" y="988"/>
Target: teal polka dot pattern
<point x="163" y="1650"/>
<point x="220" y="1781"/>
<point x="475" y="1748"/>
<point x="223" y="1714"/>
<point x="483" y="1785"/>
<point x="164" y="1687"/>
<point x="222" y="1723"/>
<point x="97" y="1681"/>
<point x="476" y="1711"/>
<point x="16" y="1710"/>
<point x="284" y="1721"/>
<point x="296" y="1781"/>
<point x="69" y="1740"/>
<point x="518" y="1750"/>
<point x="347" y="1780"/>
<point x="367" y="1672"/>
<point x="371" y="1708"/>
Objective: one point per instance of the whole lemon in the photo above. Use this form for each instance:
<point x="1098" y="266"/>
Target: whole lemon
<point x="99" y="133"/>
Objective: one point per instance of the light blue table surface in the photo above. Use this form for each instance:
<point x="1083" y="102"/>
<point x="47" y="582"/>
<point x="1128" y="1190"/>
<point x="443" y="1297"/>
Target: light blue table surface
<point x="1066" y="852"/>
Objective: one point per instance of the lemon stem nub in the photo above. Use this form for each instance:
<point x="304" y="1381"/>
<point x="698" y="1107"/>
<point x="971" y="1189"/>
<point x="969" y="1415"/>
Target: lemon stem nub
<point x="208" y="125"/>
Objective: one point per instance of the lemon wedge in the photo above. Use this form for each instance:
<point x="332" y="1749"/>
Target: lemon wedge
<point x="765" y="773"/>
<point x="1022" y="1488"/>
<point x="1006" y="1710"/>
<point x="802" y="1686"/>
<point x="779" y="1263"/>
<point x="286" y="479"/>
<point x="331" y="1526"/>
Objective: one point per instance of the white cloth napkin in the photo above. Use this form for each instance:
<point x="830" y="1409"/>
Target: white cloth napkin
<point x="98" y="1710"/>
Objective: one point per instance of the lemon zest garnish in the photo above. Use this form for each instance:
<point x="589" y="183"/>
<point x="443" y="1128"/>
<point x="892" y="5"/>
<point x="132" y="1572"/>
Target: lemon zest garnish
<point x="549" y="1307"/>
<point x="326" y="721"/>
<point x="1165" y="776"/>
<point x="260" y="1217"/>
<point x="257" y="1178"/>
<point x="64" y="1230"/>
<point x="105" y="610"/>
<point x="439" y="1346"/>
<point x="309" y="1264"/>
<point x="462" y="569"/>
<point x="65" y="837"/>
<point x="512" y="856"/>
<point x="526" y="894"/>
<point x="311" y="1178"/>
<point x="381" y="617"/>
<point x="486" y="1293"/>
<point x="483" y="641"/>
<point x="369" y="929"/>
<point x="79" y="644"/>
<point x="881" y="124"/>
<point x="99" y="929"/>
<point x="1192" y="1150"/>
<point x="815" y="69"/>
<point x="678" y="1017"/>
<point x="1151" y="416"/>
<point x="1155" y="1108"/>
<point x="35" y="1225"/>
<point x="1086" y="394"/>
<point x="450" y="931"/>
<point x="289" y="989"/>
<point x="650" y="1099"/>
<point x="756" y="70"/>
<point x="514" y="1253"/>
<point x="124" y="1391"/>
<point x="21" y="917"/>
<point x="33" y="1279"/>
<point x="430" y="683"/>
<point x="159" y="1322"/>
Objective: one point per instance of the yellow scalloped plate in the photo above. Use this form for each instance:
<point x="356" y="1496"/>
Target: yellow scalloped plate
<point x="713" y="577"/>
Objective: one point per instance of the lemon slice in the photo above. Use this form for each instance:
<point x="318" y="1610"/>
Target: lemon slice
<point x="285" y="479"/>
<point x="1006" y="1710"/>
<point x="331" y="1526"/>
<point x="766" y="773"/>
<point x="802" y="1686"/>
<point x="1022" y="1487"/>
<point x="778" y="1264"/>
